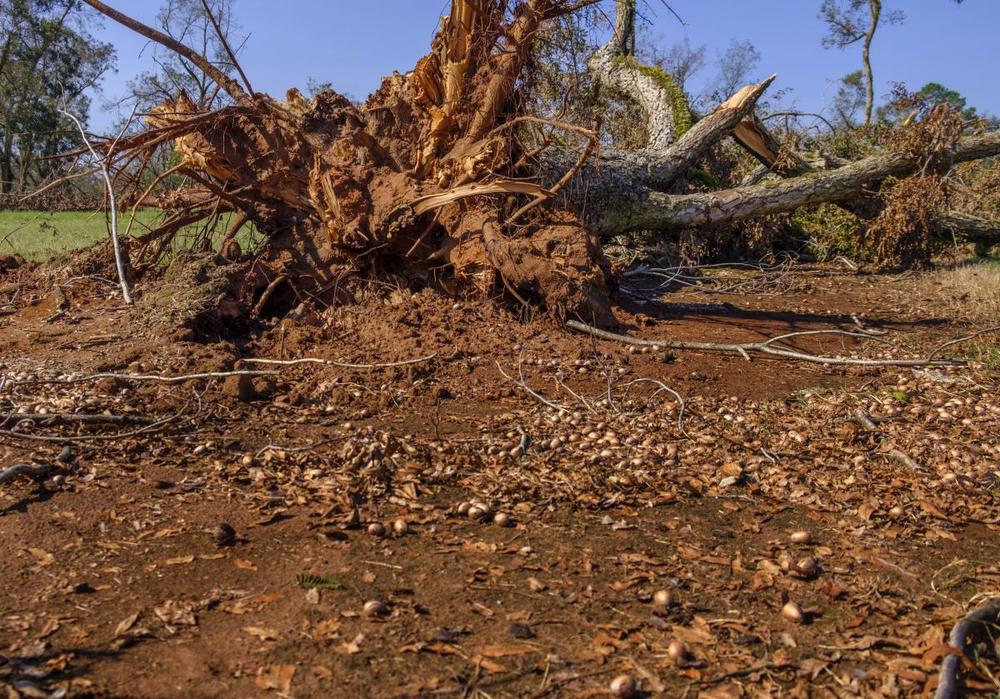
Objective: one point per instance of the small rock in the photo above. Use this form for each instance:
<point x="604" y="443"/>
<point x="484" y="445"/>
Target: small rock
<point x="224" y="534"/>
<point x="521" y="631"/>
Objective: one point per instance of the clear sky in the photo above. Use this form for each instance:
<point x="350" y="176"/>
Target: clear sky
<point x="352" y="44"/>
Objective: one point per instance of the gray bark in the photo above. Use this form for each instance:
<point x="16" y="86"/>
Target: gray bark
<point x="626" y="204"/>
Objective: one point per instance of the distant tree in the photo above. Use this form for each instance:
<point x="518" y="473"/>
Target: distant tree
<point x="188" y="22"/>
<point x="905" y="105"/>
<point x="849" y="100"/>
<point x="850" y="22"/>
<point x="735" y="67"/>
<point x="47" y="61"/>
<point x="681" y="61"/>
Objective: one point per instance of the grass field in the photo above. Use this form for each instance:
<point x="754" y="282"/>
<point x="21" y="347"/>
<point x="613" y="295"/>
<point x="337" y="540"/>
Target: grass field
<point x="42" y="235"/>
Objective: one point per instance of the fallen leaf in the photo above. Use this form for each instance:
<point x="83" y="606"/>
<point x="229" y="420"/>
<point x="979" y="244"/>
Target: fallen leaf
<point x="126" y="624"/>
<point x="179" y="561"/>
<point x="262" y="633"/>
<point x="506" y="651"/>
<point x="277" y="677"/>
<point x="44" y="557"/>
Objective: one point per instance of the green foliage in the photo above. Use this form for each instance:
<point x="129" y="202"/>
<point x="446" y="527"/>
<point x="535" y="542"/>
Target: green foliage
<point x="683" y="118"/>
<point x="48" y="60"/>
<point x="829" y="232"/>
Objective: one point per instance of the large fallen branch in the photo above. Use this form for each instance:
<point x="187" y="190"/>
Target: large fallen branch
<point x="653" y="210"/>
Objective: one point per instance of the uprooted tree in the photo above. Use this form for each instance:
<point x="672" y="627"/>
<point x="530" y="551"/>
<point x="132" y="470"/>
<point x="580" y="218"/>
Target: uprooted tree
<point x="434" y="173"/>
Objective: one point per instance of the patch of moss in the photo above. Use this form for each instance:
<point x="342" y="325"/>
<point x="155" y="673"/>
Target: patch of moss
<point x="683" y="117"/>
<point x="697" y="174"/>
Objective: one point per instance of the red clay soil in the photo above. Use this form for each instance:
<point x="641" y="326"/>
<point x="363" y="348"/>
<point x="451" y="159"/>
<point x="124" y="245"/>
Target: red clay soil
<point x="119" y="583"/>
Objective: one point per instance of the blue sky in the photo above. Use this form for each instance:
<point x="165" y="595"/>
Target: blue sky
<point x="353" y="44"/>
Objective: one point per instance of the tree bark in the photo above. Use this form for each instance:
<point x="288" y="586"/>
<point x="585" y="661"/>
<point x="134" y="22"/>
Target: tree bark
<point x="652" y="210"/>
<point x="964" y="228"/>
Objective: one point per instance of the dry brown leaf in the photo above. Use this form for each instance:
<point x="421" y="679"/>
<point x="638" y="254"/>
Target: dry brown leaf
<point x="43" y="557"/>
<point x="262" y="633"/>
<point x="506" y="651"/>
<point x="125" y="624"/>
<point x="278" y="677"/>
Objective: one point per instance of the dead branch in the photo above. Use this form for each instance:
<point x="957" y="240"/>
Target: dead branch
<point x="223" y="80"/>
<point x="149" y="377"/>
<point x="102" y="162"/>
<point x="766" y="348"/>
<point x="531" y="392"/>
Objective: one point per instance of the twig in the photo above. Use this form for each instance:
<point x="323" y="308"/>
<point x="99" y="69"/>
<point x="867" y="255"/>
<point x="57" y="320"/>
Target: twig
<point x="268" y="292"/>
<point x="153" y="427"/>
<point x="986" y="331"/>
<point x="747" y="671"/>
<point x="664" y="387"/>
<point x="527" y="389"/>
<point x="761" y="347"/>
<point x="36" y="472"/>
<point x="988" y="613"/>
<point x="112" y="201"/>
<point x="81" y="419"/>
<point x="151" y="377"/>
<point x="905" y="460"/>
<point x="342" y="365"/>
<point x="225" y="45"/>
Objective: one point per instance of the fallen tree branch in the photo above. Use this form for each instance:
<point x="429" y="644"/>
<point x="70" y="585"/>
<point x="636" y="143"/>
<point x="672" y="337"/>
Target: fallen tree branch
<point x="206" y="66"/>
<point x="760" y="347"/>
<point x="951" y="343"/>
<point x="986" y="615"/>
<point x="531" y="392"/>
<point x="653" y="210"/>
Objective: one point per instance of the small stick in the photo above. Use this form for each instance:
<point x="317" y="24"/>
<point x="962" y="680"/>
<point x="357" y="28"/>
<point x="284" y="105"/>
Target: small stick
<point x="763" y="348"/>
<point x="113" y="214"/>
<point x="905" y="460"/>
<point x="152" y="377"/>
<point x="985" y="331"/>
<point x="83" y="419"/>
<point x="154" y="427"/>
<point x="342" y="365"/>
<point x="527" y="389"/>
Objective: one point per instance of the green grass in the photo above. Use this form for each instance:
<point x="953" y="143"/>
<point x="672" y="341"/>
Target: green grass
<point x="41" y="235"/>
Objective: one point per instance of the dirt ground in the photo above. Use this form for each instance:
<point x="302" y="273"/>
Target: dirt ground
<point x="511" y="510"/>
